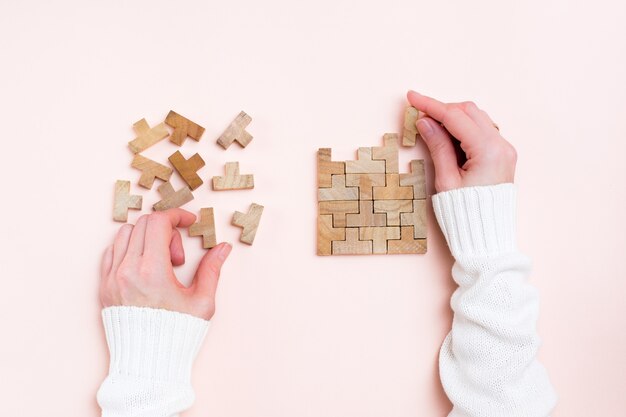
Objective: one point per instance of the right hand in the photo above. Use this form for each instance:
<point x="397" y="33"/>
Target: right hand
<point x="490" y="158"/>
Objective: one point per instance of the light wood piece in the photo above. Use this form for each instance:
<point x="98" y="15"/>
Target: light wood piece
<point x="379" y="237"/>
<point x="188" y="168"/>
<point x="393" y="190"/>
<point x="326" y="233"/>
<point x="123" y="201"/>
<point x="364" y="163"/>
<point x="205" y="227"/>
<point x="410" y="133"/>
<point x="249" y="222"/>
<point x="388" y="152"/>
<point x="406" y="244"/>
<point x="366" y="216"/>
<point x="150" y="170"/>
<point x="365" y="182"/>
<point x="416" y="218"/>
<point x="232" y="180"/>
<point x="416" y="179"/>
<point x="183" y="128"/>
<point x="393" y="209"/>
<point x="338" y="209"/>
<point x="338" y="191"/>
<point x="326" y="168"/>
<point x="170" y="198"/>
<point x="147" y="136"/>
<point x="352" y="245"/>
<point x="236" y="131"/>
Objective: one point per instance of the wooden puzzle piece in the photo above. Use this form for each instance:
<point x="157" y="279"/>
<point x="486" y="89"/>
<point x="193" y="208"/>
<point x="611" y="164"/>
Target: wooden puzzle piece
<point x="150" y="170"/>
<point x="187" y="168"/>
<point x="326" y="168"/>
<point x="393" y="190"/>
<point x="232" y="180"/>
<point x="352" y="245"/>
<point x="338" y="191"/>
<point x="410" y="133"/>
<point x="416" y="218"/>
<point x="365" y="182"/>
<point x="236" y="131"/>
<point x="249" y="222"/>
<point x="388" y="152"/>
<point x="326" y="234"/>
<point x="123" y="201"/>
<point x="379" y="237"/>
<point x="406" y="244"/>
<point x="393" y="209"/>
<point x="183" y="128"/>
<point x="364" y="163"/>
<point x="147" y="136"/>
<point x="205" y="227"/>
<point x="416" y="179"/>
<point x="338" y="209"/>
<point x="170" y="198"/>
<point x="366" y="216"/>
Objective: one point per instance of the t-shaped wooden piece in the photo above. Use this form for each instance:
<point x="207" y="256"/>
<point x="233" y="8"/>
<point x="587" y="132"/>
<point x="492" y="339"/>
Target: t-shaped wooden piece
<point x="124" y="201"/>
<point x="183" y="128"/>
<point x="205" y="227"/>
<point x="249" y="222"/>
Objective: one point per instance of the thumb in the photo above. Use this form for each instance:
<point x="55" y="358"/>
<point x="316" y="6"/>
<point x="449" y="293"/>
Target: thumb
<point x="442" y="152"/>
<point x="208" y="272"/>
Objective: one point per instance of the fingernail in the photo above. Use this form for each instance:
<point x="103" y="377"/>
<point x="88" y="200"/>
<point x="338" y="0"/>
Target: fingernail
<point x="224" y="250"/>
<point x="424" y="127"/>
<point x="414" y="92"/>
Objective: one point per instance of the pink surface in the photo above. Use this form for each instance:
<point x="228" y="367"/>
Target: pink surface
<point x="296" y="334"/>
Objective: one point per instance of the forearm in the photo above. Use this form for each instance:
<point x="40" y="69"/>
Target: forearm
<point x="152" y="352"/>
<point x="488" y="362"/>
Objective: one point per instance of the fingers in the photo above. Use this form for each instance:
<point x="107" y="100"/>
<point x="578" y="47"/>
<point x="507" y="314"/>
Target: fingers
<point x="107" y="262"/>
<point x="120" y="245"/>
<point x="442" y="151"/>
<point x="177" y="252"/>
<point x="138" y="237"/>
<point x="159" y="232"/>
<point x="480" y="117"/>
<point x="208" y="272"/>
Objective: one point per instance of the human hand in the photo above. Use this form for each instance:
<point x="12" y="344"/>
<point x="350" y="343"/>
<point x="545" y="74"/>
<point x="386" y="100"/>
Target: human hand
<point x="490" y="158"/>
<point x="137" y="269"/>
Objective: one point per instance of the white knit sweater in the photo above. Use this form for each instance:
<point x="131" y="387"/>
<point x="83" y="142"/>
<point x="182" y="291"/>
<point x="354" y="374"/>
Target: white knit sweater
<point x="487" y="363"/>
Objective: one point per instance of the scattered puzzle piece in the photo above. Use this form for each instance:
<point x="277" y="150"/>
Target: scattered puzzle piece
<point x="393" y="209"/>
<point x="327" y="233"/>
<point x="388" y="152"/>
<point x="352" y="245"/>
<point x="183" y="128"/>
<point x="416" y="179"/>
<point x="379" y="237"/>
<point x="147" y="136"/>
<point x="338" y="209"/>
<point x="123" y="201"/>
<point x="150" y="170"/>
<point x="410" y="133"/>
<point x="205" y="227"/>
<point x="172" y="199"/>
<point x="326" y="168"/>
<point x="416" y="218"/>
<point x="364" y="163"/>
<point x="249" y="222"/>
<point x="236" y="131"/>
<point x="232" y="180"/>
<point x="188" y="168"/>
<point x="366" y="216"/>
<point x="407" y="244"/>
<point x="393" y="190"/>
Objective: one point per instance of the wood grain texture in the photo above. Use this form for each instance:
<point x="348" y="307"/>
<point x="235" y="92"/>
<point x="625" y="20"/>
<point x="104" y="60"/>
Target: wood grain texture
<point x="388" y="152"/>
<point x="338" y="191"/>
<point x="326" y="168"/>
<point x="366" y="216"/>
<point x="188" y="168"/>
<point x="232" y="179"/>
<point x="406" y="244"/>
<point x="393" y="209"/>
<point x="326" y="233"/>
<point x="236" y="131"/>
<point x="364" y="163"/>
<point x="416" y="179"/>
<point x="123" y="200"/>
<point x="150" y="170"/>
<point x="365" y="182"/>
<point x="205" y="227"/>
<point x="416" y="218"/>
<point x="393" y="190"/>
<point x="338" y="209"/>
<point x="379" y="237"/>
<point x="352" y="245"/>
<point x="170" y="198"/>
<point x="410" y="133"/>
<point x="249" y="222"/>
<point x="183" y="128"/>
<point x="147" y="136"/>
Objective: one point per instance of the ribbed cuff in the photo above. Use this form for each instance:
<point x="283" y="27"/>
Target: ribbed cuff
<point x="149" y="343"/>
<point x="478" y="221"/>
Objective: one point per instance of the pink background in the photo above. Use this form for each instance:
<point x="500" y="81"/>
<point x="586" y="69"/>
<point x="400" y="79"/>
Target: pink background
<point x="296" y="334"/>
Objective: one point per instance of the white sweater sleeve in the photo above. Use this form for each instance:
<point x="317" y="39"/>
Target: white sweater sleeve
<point x="151" y="354"/>
<point x="488" y="362"/>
